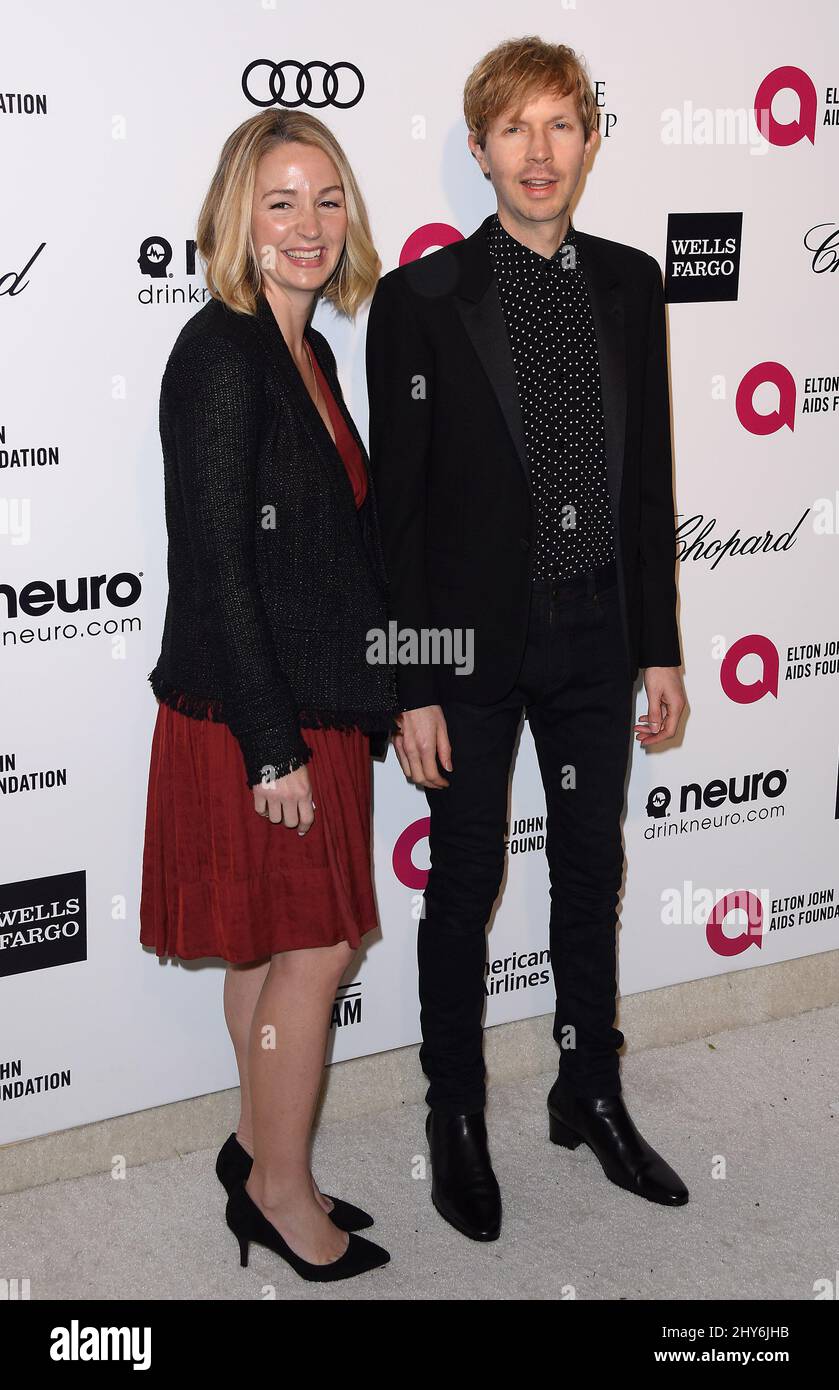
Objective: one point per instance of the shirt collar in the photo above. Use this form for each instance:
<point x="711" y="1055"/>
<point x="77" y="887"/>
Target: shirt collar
<point x="522" y="259"/>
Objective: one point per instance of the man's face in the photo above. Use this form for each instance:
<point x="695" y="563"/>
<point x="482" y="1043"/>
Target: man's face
<point x="535" y="157"/>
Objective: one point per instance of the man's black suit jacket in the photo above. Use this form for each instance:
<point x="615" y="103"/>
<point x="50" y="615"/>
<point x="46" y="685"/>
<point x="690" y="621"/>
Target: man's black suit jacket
<point x="448" y="458"/>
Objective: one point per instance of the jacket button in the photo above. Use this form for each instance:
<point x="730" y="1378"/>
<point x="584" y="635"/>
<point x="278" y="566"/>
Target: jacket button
<point x="524" y="542"/>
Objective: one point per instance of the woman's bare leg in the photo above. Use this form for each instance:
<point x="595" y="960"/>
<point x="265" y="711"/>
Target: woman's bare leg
<point x="242" y="987"/>
<point x="286" y="1054"/>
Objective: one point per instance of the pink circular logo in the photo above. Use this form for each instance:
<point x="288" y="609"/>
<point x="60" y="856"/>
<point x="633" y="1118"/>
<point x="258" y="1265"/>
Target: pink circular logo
<point x="433" y="234"/>
<point x="403" y="854"/>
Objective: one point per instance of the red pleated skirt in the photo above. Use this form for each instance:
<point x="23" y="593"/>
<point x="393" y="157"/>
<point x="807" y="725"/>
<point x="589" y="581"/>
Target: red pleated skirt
<point x="220" y="880"/>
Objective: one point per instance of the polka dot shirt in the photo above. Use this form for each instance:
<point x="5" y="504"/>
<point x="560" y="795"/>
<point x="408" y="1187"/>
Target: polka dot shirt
<point x="551" y="330"/>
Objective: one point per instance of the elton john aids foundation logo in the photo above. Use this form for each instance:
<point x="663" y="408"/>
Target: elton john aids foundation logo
<point x="720" y="941"/>
<point x="819" y="396"/>
<point x="777" y="375"/>
<point x="746" y="692"/>
<point x="404" y="867"/>
<point x="432" y="236"/>
<point x="802" y="126"/>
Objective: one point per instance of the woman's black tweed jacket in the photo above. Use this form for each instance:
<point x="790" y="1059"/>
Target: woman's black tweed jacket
<point x="275" y="577"/>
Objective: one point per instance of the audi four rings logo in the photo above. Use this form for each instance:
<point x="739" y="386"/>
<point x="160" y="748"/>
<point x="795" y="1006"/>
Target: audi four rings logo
<point x="269" y="89"/>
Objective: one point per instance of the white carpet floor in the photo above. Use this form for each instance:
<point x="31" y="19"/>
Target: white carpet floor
<point x="758" y="1104"/>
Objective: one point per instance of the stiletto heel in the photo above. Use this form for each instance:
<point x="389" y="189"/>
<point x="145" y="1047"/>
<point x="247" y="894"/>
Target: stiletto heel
<point x="248" y="1223"/>
<point x="561" y="1134"/>
<point x="233" y="1165"/>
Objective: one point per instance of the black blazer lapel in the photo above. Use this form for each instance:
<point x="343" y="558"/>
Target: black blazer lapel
<point x="283" y="367"/>
<point x="476" y="300"/>
<point x="367" y="512"/>
<point x="324" y="448"/>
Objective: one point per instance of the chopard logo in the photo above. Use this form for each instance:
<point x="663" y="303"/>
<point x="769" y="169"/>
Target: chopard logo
<point x="692" y="541"/>
<point x="326" y="94"/>
<point x="12" y="281"/>
<point x="824" y="246"/>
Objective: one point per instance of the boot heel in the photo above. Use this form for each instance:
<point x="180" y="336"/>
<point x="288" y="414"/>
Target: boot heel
<point x="561" y="1134"/>
<point x="244" y="1244"/>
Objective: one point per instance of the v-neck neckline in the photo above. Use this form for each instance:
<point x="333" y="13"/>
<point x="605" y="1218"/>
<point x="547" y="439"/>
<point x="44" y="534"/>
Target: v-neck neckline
<point x="320" y="382"/>
<point x="274" y="338"/>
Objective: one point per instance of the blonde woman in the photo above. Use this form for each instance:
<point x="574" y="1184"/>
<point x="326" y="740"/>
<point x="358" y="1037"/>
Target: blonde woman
<point x="257" y="846"/>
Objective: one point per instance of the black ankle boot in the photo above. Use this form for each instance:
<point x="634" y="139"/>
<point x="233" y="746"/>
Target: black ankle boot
<point x="234" y="1164"/>
<point x="626" y="1158"/>
<point x="464" y="1189"/>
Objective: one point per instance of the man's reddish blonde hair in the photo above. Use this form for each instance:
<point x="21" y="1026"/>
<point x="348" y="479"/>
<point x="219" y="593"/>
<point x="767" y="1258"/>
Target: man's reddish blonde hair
<point x="519" y="69"/>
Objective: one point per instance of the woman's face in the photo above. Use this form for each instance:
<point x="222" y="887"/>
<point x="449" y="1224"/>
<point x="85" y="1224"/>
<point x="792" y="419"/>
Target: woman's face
<point x="299" y="217"/>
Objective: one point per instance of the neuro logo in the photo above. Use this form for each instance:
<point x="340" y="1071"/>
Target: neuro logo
<point x="790" y="132"/>
<point x="780" y="377"/>
<point x="40" y="596"/>
<point x="155" y="255"/>
<point x="752" y="935"/>
<point x="403" y="854"/>
<point x="748" y="693"/>
<point x="657" y="802"/>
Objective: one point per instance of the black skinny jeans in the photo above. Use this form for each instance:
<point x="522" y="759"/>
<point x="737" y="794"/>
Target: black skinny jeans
<point x="575" y="686"/>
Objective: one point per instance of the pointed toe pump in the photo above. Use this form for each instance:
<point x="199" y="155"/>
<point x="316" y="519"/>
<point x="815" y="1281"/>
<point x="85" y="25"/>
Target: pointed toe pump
<point x="233" y="1165"/>
<point x="250" y="1225"/>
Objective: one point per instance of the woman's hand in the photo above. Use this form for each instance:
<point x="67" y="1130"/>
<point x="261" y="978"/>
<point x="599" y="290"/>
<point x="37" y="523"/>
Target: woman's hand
<point x="287" y="800"/>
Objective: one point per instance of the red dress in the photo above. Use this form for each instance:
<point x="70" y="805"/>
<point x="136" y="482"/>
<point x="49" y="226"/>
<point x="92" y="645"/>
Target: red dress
<point x="220" y="880"/>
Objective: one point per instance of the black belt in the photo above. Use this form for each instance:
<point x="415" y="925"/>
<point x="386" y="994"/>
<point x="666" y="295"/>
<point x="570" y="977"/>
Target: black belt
<point x="589" y="583"/>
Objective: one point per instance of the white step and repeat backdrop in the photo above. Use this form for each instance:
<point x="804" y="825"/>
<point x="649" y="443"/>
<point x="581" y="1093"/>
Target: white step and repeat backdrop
<point x="111" y="120"/>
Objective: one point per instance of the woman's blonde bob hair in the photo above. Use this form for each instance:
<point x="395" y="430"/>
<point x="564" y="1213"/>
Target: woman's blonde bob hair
<point x="522" y="68"/>
<point x="224" y="241"/>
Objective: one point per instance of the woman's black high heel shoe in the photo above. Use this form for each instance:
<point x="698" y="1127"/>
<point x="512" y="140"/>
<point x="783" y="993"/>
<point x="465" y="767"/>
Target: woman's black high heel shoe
<point x="234" y="1165"/>
<point x="248" y="1223"/>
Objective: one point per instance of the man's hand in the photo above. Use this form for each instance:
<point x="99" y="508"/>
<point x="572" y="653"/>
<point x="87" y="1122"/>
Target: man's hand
<point x="423" y="738"/>
<point x="666" y="702"/>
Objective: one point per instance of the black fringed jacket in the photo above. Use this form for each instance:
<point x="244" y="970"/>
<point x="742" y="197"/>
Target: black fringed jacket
<point x="275" y="577"/>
